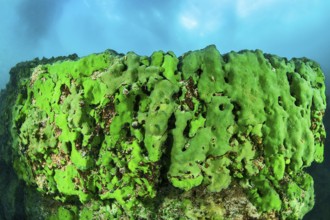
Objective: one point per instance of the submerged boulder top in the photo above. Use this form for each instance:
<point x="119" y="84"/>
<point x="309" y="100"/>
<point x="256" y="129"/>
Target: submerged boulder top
<point x="208" y="135"/>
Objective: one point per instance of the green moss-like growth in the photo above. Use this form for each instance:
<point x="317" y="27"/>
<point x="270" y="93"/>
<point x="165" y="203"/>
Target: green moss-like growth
<point x="12" y="190"/>
<point x="115" y="136"/>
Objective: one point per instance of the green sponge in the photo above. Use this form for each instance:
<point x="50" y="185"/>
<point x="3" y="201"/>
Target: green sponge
<point x="136" y="135"/>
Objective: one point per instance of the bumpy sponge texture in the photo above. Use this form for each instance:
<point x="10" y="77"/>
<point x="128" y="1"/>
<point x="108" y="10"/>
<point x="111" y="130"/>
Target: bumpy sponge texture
<point x="123" y="128"/>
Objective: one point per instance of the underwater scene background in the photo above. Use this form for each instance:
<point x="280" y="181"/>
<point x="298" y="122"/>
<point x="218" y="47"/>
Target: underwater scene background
<point x="44" y="28"/>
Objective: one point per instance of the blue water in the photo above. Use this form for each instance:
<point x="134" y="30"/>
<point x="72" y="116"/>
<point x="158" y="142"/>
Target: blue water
<point x="48" y="28"/>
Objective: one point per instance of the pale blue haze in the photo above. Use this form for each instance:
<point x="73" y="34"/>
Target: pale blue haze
<point x="37" y="28"/>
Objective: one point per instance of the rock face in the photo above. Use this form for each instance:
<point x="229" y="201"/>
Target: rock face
<point x="204" y="135"/>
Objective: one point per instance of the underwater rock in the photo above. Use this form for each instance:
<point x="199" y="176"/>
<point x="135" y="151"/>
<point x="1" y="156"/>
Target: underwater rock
<point x="204" y="135"/>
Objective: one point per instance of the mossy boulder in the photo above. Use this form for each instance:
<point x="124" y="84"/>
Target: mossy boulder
<point x="207" y="135"/>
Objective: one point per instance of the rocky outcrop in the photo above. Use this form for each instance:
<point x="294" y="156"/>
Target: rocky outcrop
<point x="204" y="135"/>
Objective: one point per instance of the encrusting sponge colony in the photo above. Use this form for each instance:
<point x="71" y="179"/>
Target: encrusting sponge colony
<point x="203" y="135"/>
